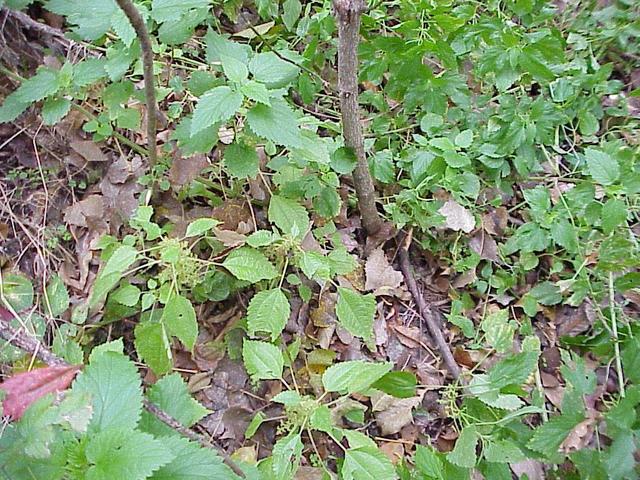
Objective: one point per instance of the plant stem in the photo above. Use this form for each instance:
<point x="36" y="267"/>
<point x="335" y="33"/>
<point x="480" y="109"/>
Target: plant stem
<point x="137" y="22"/>
<point x="348" y="13"/>
<point x="614" y="329"/>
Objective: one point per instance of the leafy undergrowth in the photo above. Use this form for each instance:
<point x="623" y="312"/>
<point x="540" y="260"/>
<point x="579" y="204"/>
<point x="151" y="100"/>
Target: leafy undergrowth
<point x="230" y="283"/>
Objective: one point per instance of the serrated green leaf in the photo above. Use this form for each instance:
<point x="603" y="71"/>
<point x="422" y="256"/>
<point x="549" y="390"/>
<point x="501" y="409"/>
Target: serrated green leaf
<point x="241" y="161"/>
<point x="179" y="318"/>
<point x="200" y="226"/>
<point x="367" y="463"/>
<point x="153" y="347"/>
<point x="315" y="265"/>
<point x="291" y="13"/>
<point x="344" y="160"/>
<point x="57" y="297"/>
<point x="356" y="312"/>
<point x="614" y="214"/>
<point x="498" y="330"/>
<point x="191" y="462"/>
<point x="171" y="10"/>
<point x="217" y="105"/>
<point x="114" y="384"/>
<point x="464" y="139"/>
<point x="286" y="456"/>
<point x="464" y="453"/>
<point x="268" y="312"/>
<point x="122" y="453"/>
<point x="17" y="291"/>
<point x="397" y="384"/>
<point x="289" y="216"/>
<point x="43" y="84"/>
<point x="256" y="91"/>
<point x="262" y="360"/>
<point x="91" y="20"/>
<point x="261" y="238"/>
<point x="128" y="295"/>
<point x="55" y="109"/>
<point x="254" y="425"/>
<point x="248" y="264"/>
<point x="603" y="168"/>
<point x="502" y="451"/>
<point x="12" y="107"/>
<point x="271" y="70"/>
<point x="234" y="69"/>
<point x="548" y="436"/>
<point x="217" y="45"/>
<point x="428" y="462"/>
<point x="276" y="123"/>
<point x="353" y="376"/>
<point x="121" y="259"/>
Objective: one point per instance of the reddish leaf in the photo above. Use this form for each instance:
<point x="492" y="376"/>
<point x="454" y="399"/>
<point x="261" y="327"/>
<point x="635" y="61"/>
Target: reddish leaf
<point x="25" y="388"/>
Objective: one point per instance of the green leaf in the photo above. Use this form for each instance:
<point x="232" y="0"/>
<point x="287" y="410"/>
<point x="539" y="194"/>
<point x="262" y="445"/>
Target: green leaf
<point x="200" y="226"/>
<point x="89" y="71"/>
<point x="179" y="318"/>
<point x="548" y="436"/>
<point x="12" y="108"/>
<point x="602" y="167"/>
<point x="428" y="462"/>
<point x="241" y="160"/>
<point x="315" y="265"/>
<point x="256" y="91"/>
<point x="171" y="394"/>
<point x="277" y="123"/>
<point x="43" y="84"/>
<point x="397" y="384"/>
<point x="248" y="264"/>
<point x="121" y="453"/>
<point x="620" y="460"/>
<point x="464" y="139"/>
<point x="92" y="19"/>
<point x="356" y="312"/>
<point x="271" y="70"/>
<point x="291" y="13"/>
<point x="353" y="376"/>
<point x="367" y="463"/>
<point x="113" y="382"/>
<point x="289" y="216"/>
<point x="153" y="347"/>
<point x="498" y="330"/>
<point x="217" y="46"/>
<point x="17" y="291"/>
<point x="128" y="295"/>
<point x="614" y="214"/>
<point x="269" y="312"/>
<point x="502" y="451"/>
<point x="234" y="69"/>
<point x="55" y="109"/>
<point x="286" y="456"/>
<point x="57" y="297"/>
<point x="121" y="259"/>
<point x="170" y="10"/>
<point x="191" y="462"/>
<point x="217" y="105"/>
<point x="255" y="423"/>
<point x="464" y="453"/>
<point x="262" y="360"/>
<point x="344" y="160"/>
<point x="546" y="293"/>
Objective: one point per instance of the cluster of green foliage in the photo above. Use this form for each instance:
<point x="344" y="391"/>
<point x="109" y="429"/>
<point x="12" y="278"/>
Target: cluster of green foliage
<point x="461" y="97"/>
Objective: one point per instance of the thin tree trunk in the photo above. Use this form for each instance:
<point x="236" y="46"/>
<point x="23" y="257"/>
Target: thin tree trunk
<point x="137" y="22"/>
<point x="348" y="13"/>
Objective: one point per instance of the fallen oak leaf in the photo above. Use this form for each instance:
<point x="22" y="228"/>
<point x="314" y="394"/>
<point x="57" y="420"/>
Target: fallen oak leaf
<point x="380" y="275"/>
<point x="23" y="389"/>
<point x="457" y="217"/>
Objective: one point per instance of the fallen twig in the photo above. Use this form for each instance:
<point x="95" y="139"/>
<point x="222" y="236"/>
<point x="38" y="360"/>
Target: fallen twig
<point x="425" y="311"/>
<point x="34" y="347"/>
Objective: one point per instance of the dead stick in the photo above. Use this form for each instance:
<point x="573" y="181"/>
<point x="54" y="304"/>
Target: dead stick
<point x="137" y="22"/>
<point x="348" y="13"/>
<point x="32" y="346"/>
<point x="426" y="312"/>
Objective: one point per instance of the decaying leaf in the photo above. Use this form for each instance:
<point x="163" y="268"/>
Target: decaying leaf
<point x="185" y="170"/>
<point x="89" y="150"/>
<point x="25" y="388"/>
<point x="84" y="212"/>
<point x="394" y="413"/>
<point x="457" y="217"/>
<point x="381" y="277"/>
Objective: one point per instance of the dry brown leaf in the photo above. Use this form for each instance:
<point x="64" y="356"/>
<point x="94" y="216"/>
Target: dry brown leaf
<point x="185" y="170"/>
<point x="457" y="217"/>
<point x="485" y="246"/>
<point x="89" y="150"/>
<point x="394" y="413"/>
<point x="531" y="468"/>
<point x="84" y="212"/>
<point x="381" y="277"/>
<point x="393" y="450"/>
<point x="229" y="238"/>
<point x="495" y="222"/>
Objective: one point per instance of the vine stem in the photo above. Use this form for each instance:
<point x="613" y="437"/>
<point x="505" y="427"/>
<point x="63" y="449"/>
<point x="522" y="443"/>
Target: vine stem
<point x="137" y="22"/>
<point x="616" y="342"/>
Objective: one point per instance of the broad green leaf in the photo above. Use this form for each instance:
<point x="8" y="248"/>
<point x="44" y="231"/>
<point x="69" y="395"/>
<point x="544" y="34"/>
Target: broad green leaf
<point x="33" y="323"/>
<point x="344" y="160"/>
<point x="277" y="123"/>
<point x="288" y="398"/>
<point x="255" y="423"/>
<point x="315" y="265"/>
<point x="397" y="384"/>
<point x="548" y="436"/>
<point x="241" y="161"/>
<point x="269" y="312"/>
<point x="12" y="107"/>
<point x="217" y="105"/>
<point x="321" y="419"/>
<point x="256" y="91"/>
<point x="153" y="346"/>
<point x="114" y="384"/>
<point x="191" y="462"/>
<point x="200" y="226"/>
<point x="234" y="69"/>
<point x="248" y="264"/>
<point x="122" y="453"/>
<point x="271" y="70"/>
<point x="603" y="168"/>
<point x="291" y="13"/>
<point x="55" y="109"/>
<point x="620" y="457"/>
<point x="119" y="261"/>
<point x="356" y="312"/>
<point x="428" y="462"/>
<point x="353" y="376"/>
<point x="614" y="214"/>
<point x="57" y="297"/>
<point x="499" y="330"/>
<point x="464" y="453"/>
<point x="546" y="293"/>
<point x="464" y="139"/>
<point x="503" y="451"/>
<point x="218" y="46"/>
<point x="262" y="360"/>
<point x="89" y="71"/>
<point x="286" y="456"/>
<point x="171" y="394"/>
<point x="513" y="370"/>
<point x="179" y="318"/>
<point x="91" y="20"/>
<point x="127" y="294"/>
<point x="17" y="291"/>
<point x="261" y="238"/>
<point x="289" y="216"/>
<point x="43" y="84"/>
<point x="171" y="10"/>
<point x="367" y="463"/>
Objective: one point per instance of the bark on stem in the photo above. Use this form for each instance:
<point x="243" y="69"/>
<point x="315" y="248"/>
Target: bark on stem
<point x="137" y="22"/>
<point x="348" y="13"/>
